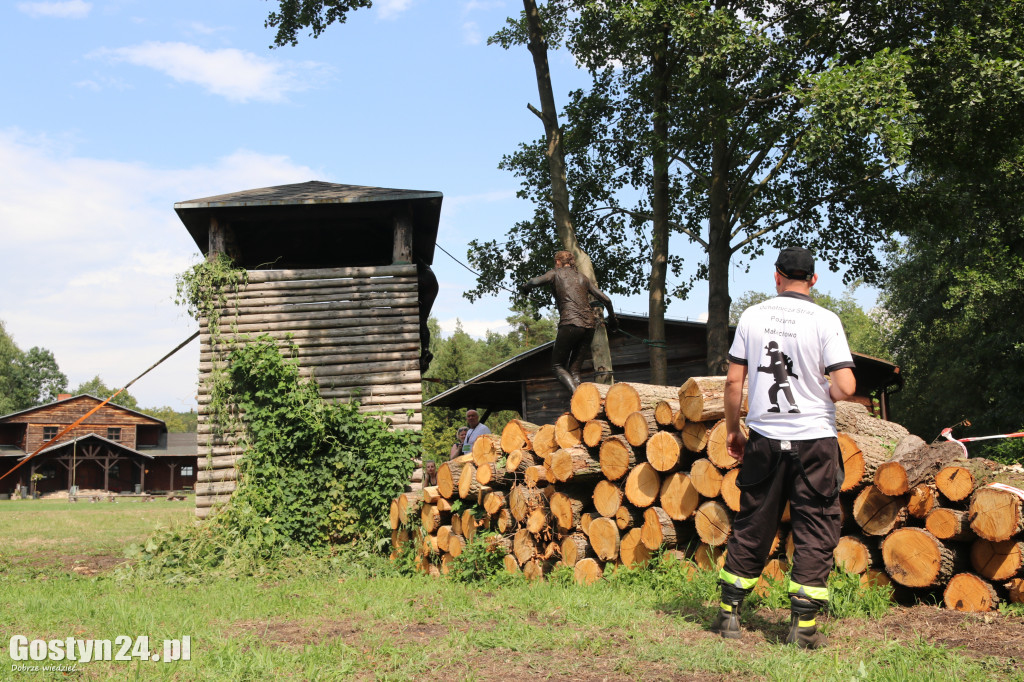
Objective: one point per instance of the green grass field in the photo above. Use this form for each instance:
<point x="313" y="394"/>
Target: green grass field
<point x="356" y="619"/>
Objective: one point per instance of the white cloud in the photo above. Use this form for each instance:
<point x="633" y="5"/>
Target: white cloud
<point x="474" y="5"/>
<point x="703" y="317"/>
<point x="233" y="74"/>
<point x="72" y="9"/>
<point x="92" y="248"/>
<point x="390" y="9"/>
<point x="471" y="34"/>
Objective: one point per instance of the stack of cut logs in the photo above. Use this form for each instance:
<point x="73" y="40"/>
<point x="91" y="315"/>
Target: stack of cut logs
<point x="634" y="468"/>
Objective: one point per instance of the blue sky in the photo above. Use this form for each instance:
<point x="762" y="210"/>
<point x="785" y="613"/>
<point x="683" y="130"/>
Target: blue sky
<point x="116" y="109"/>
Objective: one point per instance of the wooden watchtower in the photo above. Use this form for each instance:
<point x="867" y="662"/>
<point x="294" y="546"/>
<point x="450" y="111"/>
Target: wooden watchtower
<point x="342" y="271"/>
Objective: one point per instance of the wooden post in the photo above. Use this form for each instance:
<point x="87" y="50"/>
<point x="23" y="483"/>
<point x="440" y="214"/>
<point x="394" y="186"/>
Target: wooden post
<point x="142" y="482"/>
<point x="217" y="239"/>
<point x="106" y="472"/>
<point x="171" y="467"/>
<point x="403" y="237"/>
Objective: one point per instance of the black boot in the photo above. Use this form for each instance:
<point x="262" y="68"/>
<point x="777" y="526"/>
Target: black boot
<point x="566" y="379"/>
<point x="727" y="622"/>
<point x="803" y="626"/>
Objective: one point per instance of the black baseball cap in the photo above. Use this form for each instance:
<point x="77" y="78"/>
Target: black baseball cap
<point x="795" y="262"/>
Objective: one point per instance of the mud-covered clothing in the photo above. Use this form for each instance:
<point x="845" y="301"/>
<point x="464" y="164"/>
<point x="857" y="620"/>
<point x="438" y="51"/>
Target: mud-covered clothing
<point x="789" y="345"/>
<point x="571" y="344"/>
<point x="572" y="296"/>
<point x="768" y="478"/>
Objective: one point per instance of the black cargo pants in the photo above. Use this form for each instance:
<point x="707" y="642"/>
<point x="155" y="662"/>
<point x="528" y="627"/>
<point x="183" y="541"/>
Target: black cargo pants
<point x="809" y="474"/>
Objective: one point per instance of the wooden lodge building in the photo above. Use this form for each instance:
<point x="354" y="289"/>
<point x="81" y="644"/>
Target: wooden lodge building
<point x="116" y="449"/>
<point x="340" y="271"/>
<point x="526" y="384"/>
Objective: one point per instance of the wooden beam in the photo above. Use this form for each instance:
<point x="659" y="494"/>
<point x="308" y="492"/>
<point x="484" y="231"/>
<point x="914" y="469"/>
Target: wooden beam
<point x="403" y="237"/>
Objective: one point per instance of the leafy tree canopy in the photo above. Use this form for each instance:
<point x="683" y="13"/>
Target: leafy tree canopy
<point x="27" y="378"/>
<point x="95" y="387"/>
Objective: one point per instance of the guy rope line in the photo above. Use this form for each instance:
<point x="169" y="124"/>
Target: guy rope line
<point x="98" y="407"/>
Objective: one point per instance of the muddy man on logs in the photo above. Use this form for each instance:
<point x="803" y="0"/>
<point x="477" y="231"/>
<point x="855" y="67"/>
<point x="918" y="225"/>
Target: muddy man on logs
<point x="576" y="319"/>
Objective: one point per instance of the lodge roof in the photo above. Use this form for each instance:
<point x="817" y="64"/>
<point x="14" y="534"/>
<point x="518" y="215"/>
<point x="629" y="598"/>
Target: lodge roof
<point x="77" y="397"/>
<point x="87" y="437"/>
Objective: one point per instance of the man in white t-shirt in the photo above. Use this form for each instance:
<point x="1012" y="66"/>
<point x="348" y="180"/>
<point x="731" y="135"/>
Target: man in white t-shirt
<point x="797" y="363"/>
<point x="475" y="430"/>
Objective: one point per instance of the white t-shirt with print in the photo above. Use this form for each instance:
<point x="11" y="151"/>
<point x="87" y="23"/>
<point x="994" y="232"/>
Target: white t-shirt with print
<point x="789" y="344"/>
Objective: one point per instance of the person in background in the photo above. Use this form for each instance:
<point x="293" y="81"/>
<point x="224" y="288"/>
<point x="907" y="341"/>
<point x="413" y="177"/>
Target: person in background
<point x="460" y="438"/>
<point x="429" y="473"/>
<point x="474" y="430"/>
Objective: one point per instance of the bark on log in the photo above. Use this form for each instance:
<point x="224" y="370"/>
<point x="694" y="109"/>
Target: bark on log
<point x="861" y="457"/>
<point x="519" y="460"/>
<point x="628" y="517"/>
<point x="713" y="521"/>
<point x="717" y="450"/>
<point x="950" y="525"/>
<point x="968" y="592"/>
<point x="639" y="427"/>
<point x="996" y="514"/>
<point x="522" y="500"/>
<point x="587" y="571"/>
<point x="659" y="529"/>
<point x="998" y="561"/>
<point x="604" y="538"/>
<point x="695" y="436"/>
<point x="617" y="457"/>
<point x="491" y="474"/>
<point x="432" y="518"/>
<point x="574" y="464"/>
<point x="448" y="475"/>
<point x="643" y="485"/>
<point x="678" y="496"/>
<point x="595" y="431"/>
<point x="566" y="512"/>
<point x="588" y="401"/>
<point x="922" y="499"/>
<point x="854" y="418"/>
<point x="706" y="478"/>
<point x="897" y="477"/>
<point x="665" y="412"/>
<point x="664" y="450"/>
<point x="877" y="513"/>
<point x="625" y="398"/>
<point x="575" y="548"/>
<point x="487" y="449"/>
<point x="958" y="480"/>
<point x="469" y="487"/>
<point x="916" y="558"/>
<point x="632" y="551"/>
<point x="702" y="399"/>
<point x="730" y="491"/>
<point x="607" y="498"/>
<point x="518" y="435"/>
<point x="568" y="431"/>
<point x="536" y="476"/>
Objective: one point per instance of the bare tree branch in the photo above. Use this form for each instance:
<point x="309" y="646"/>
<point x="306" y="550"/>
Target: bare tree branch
<point x="646" y="216"/>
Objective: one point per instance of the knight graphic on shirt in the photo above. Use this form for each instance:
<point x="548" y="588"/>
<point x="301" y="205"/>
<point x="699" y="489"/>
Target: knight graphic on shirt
<point x="780" y="366"/>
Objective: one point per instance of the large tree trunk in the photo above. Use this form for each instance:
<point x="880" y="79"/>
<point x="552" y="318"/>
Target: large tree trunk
<point x="660" y="210"/>
<point x="719" y="255"/>
<point x="559" y="186"/>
